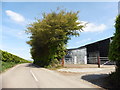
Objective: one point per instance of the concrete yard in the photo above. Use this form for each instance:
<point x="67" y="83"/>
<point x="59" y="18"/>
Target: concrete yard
<point x="89" y="73"/>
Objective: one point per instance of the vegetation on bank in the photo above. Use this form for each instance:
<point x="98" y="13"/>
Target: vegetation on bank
<point x="8" y="60"/>
<point x="50" y="35"/>
<point x="114" y="54"/>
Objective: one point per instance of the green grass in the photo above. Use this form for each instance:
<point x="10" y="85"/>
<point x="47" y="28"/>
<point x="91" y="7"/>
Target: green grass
<point x="7" y="65"/>
<point x="54" y="68"/>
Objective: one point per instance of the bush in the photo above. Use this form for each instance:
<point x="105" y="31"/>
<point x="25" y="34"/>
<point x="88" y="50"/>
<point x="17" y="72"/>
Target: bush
<point x="54" y="63"/>
<point x="114" y="54"/>
<point x="114" y="79"/>
<point x="6" y="65"/>
<point x="8" y="57"/>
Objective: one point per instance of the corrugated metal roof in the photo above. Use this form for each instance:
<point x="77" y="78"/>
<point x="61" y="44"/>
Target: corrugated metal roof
<point x="89" y="44"/>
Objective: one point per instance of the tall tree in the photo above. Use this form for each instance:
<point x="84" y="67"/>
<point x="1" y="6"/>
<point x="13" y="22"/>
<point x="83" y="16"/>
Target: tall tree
<point x="114" y="51"/>
<point x="50" y="35"/>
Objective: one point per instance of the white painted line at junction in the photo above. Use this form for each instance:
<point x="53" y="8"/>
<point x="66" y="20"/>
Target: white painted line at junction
<point x="33" y="75"/>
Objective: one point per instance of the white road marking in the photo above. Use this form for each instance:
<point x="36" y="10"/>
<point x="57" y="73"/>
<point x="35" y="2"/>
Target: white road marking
<point x="15" y="67"/>
<point x="33" y="75"/>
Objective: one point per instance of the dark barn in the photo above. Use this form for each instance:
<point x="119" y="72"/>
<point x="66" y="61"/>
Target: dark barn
<point x="90" y="54"/>
<point x="98" y="49"/>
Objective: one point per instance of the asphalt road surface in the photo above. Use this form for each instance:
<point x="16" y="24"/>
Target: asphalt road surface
<point x="29" y="76"/>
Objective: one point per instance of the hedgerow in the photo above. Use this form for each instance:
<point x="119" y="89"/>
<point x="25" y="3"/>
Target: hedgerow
<point x="8" y="60"/>
<point x="8" y="57"/>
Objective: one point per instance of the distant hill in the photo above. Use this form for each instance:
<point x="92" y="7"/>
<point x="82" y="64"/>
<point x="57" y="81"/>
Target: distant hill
<point x="8" y="60"/>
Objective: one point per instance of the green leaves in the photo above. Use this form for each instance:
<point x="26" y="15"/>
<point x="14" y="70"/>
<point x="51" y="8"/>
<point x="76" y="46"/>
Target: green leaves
<point x="9" y="60"/>
<point x="114" y="51"/>
<point x="114" y="54"/>
<point x="8" y="57"/>
<point x="50" y="35"/>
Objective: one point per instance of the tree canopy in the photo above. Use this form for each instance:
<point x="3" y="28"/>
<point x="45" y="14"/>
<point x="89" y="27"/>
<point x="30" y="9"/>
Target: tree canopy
<point x="114" y="54"/>
<point x="114" y="51"/>
<point x="50" y="35"/>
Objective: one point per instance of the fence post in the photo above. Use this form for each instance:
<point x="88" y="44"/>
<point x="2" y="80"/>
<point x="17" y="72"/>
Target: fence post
<point x="98" y="61"/>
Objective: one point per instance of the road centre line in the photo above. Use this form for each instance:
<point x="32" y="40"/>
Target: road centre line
<point x="33" y="75"/>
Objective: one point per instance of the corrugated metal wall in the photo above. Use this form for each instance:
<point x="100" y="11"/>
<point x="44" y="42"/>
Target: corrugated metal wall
<point x="77" y="56"/>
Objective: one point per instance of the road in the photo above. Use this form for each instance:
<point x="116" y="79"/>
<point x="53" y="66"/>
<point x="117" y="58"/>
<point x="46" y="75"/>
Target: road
<point x="29" y="76"/>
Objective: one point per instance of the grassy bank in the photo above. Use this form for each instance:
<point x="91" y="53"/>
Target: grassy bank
<point x="8" y="60"/>
<point x="6" y="65"/>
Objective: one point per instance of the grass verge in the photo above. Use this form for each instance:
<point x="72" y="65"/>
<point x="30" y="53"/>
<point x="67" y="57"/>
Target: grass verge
<point x="6" y="65"/>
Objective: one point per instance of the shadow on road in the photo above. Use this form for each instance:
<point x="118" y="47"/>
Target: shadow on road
<point x="33" y="65"/>
<point x="97" y="79"/>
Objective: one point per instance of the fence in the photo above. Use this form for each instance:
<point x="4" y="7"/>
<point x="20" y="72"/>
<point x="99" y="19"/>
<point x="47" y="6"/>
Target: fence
<point x="100" y="60"/>
<point x="91" y="60"/>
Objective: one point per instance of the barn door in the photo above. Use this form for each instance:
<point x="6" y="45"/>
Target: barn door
<point x="93" y="57"/>
<point x="75" y="59"/>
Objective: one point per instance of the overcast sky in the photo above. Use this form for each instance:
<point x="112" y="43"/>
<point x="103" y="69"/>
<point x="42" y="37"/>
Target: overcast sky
<point x="16" y="15"/>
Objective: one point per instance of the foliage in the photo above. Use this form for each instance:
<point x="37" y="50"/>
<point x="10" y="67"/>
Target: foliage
<point x="6" y="65"/>
<point x="114" y="54"/>
<point x="114" y="51"/>
<point x="114" y="79"/>
<point x="8" y="57"/>
<point x="50" y="35"/>
<point x="54" y="67"/>
<point x="8" y="60"/>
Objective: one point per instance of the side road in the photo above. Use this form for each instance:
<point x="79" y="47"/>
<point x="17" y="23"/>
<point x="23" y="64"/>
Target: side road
<point x="30" y="76"/>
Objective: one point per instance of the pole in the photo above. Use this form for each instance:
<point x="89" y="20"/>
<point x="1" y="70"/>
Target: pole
<point x="98" y="61"/>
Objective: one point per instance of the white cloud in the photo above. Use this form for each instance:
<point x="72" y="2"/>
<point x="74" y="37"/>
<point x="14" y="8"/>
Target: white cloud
<point x="7" y="31"/>
<point x="91" y="27"/>
<point x="15" y="16"/>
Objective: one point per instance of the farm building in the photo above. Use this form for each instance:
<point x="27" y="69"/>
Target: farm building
<point x="89" y="54"/>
